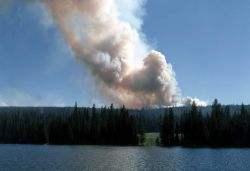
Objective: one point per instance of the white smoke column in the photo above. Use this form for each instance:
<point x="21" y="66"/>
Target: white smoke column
<point x="187" y="101"/>
<point x="108" y="40"/>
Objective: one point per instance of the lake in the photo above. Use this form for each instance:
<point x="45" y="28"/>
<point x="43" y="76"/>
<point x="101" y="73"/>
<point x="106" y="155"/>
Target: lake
<point x="71" y="158"/>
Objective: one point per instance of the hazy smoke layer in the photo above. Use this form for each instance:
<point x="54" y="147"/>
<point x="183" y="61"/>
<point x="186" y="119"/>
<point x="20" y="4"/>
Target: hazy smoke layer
<point x="105" y="35"/>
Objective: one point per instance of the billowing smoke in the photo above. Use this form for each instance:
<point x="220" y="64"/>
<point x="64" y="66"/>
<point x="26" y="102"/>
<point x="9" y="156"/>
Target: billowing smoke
<point x="105" y="35"/>
<point x="115" y="52"/>
<point x="187" y="101"/>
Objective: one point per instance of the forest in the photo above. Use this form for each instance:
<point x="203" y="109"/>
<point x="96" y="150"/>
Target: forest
<point x="214" y="126"/>
<point x="219" y="128"/>
<point x="107" y="126"/>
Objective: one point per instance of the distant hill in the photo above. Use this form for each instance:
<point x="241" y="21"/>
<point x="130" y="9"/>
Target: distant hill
<point x="179" y="110"/>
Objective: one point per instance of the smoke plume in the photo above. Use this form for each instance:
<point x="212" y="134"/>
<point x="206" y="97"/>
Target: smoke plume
<point x="108" y="40"/>
<point x="105" y="35"/>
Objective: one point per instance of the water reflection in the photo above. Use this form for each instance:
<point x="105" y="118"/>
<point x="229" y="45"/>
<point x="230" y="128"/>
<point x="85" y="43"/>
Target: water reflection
<point x="70" y="158"/>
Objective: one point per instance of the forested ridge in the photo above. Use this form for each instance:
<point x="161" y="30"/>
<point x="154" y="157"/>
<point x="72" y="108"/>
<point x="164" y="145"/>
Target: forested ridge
<point x="216" y="126"/>
<point x="107" y="126"/>
<point x="219" y="128"/>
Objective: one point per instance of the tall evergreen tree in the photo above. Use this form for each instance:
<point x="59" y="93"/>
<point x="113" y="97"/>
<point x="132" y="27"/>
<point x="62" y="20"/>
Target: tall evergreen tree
<point x="167" y="128"/>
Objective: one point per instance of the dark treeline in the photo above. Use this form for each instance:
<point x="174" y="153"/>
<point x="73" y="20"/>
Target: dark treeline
<point x="216" y="125"/>
<point x="107" y="126"/>
<point x="218" y="128"/>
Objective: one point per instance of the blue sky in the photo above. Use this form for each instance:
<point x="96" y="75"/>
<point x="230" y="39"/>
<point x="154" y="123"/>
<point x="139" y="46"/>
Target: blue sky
<point x="207" y="42"/>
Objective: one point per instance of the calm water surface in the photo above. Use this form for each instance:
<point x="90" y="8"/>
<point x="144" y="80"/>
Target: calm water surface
<point x="45" y="157"/>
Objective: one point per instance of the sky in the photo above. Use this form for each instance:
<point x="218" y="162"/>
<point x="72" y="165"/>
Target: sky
<point x="206" y="41"/>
